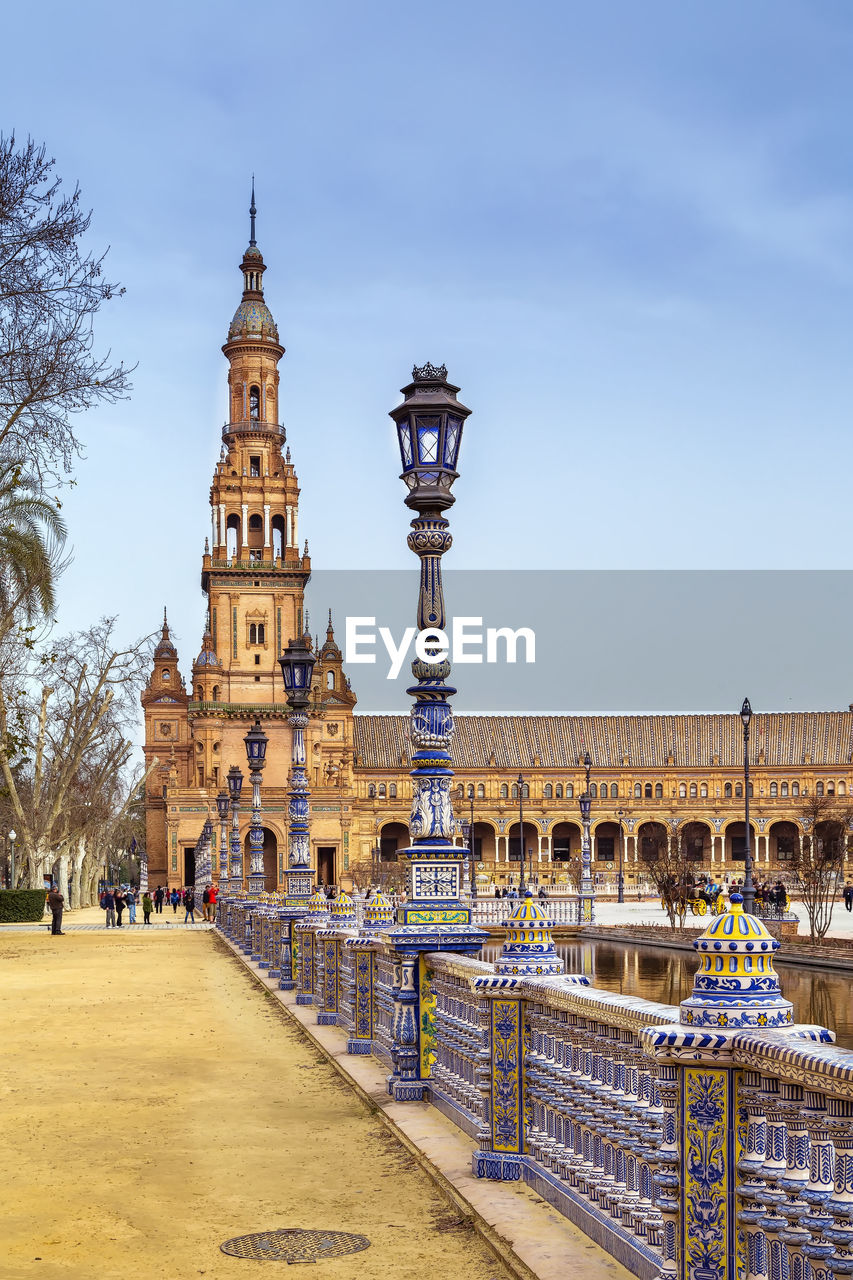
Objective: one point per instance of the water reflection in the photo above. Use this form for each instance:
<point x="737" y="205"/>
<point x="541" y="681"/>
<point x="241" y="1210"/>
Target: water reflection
<point x="656" y="973"/>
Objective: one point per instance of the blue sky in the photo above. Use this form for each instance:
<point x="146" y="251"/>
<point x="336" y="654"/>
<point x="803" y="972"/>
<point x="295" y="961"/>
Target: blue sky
<point x="627" y="229"/>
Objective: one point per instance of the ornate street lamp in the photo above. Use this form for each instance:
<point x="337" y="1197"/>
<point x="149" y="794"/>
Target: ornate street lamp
<point x="748" y="886"/>
<point x="429" y="430"/>
<point x="297" y="668"/>
<point x="522" y="886"/>
<point x="586" y="895"/>
<point x="235" y="786"/>
<point x="256" y="754"/>
<point x="620" y="888"/>
<point x="203" y="864"/>
<point x="222" y="806"/>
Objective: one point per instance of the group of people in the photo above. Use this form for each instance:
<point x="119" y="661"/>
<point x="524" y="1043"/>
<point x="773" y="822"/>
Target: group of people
<point x="114" y="901"/>
<point x="511" y="891"/>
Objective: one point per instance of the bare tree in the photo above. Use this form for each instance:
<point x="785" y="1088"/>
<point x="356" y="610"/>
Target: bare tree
<point x="65" y="713"/>
<point x="50" y="293"/>
<point x="664" y="860"/>
<point x="819" y="861"/>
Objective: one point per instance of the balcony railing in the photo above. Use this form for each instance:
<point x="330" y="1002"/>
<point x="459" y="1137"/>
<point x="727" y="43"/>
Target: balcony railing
<point x="250" y="426"/>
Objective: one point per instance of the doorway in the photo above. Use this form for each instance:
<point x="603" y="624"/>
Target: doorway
<point x="189" y="865"/>
<point x="326" y="864"/>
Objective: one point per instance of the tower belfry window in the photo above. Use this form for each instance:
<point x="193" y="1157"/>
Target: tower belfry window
<point x="254" y="402"/>
<point x="254" y="470"/>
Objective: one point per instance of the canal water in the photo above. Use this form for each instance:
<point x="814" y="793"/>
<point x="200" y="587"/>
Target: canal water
<point x="823" y="996"/>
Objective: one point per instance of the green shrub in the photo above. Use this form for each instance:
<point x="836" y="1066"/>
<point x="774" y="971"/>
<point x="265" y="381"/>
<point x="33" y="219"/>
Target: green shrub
<point x="21" y="904"/>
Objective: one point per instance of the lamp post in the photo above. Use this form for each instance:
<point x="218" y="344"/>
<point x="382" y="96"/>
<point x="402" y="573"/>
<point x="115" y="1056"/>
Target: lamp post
<point x="297" y="668"/>
<point x="256" y="751"/>
<point x="13" y="835"/>
<point x="235" y="786"/>
<point x="222" y="806"/>
<point x="522" y="886"/>
<point x="620" y="888"/>
<point x="203" y="868"/>
<point x="586" y="895"/>
<point x="748" y="886"/>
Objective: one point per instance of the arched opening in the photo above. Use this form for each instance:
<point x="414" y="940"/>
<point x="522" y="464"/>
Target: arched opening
<point x="392" y="791"/>
<point x="232" y="537"/>
<point x="784" y="840"/>
<point x="531" y="844"/>
<point x="330" y="679"/>
<point x="605" y="845"/>
<point x="696" y="843"/>
<point x="482" y="844"/>
<point x="481" y="791"/>
<point x="658" y="791"/>
<point x="565" y="853"/>
<point x="558" y="791"/>
<point x="256" y="532"/>
<point x="736" y="844"/>
<point x="278" y="536"/>
<point x="215" y="693"/>
<point x="392" y="837"/>
<point x="254" y="402"/>
<point x="270" y="859"/>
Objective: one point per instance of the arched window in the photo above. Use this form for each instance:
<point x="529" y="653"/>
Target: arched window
<point x="682" y="790"/>
<point x="727" y="792"/>
<point x="570" y="791"/>
<point x="382" y="791"/>
<point x="255" y="522"/>
<point x="648" y="791"/>
<point x="253" y="633"/>
<point x="739" y="791"/>
<point x="830" y="788"/>
<point x="751" y="791"/>
<point x="703" y="791"/>
<point x="232" y="536"/>
<point x="819" y="789"/>
<point x="638" y="791"/>
<point x="658" y="791"/>
<point x="392" y="791"/>
<point x="774" y="790"/>
<point x="165" y="675"/>
<point x="481" y="791"/>
<point x="558" y="794"/>
<point x="795" y="788"/>
<point x="470" y="791"/>
<point x="199" y="693"/>
<point x="504" y="791"/>
<point x="548" y="791"/>
<point x="262" y="635"/>
<point x="604" y="790"/>
<point x="254" y="402"/>
<point x="215" y="693"/>
<point x="278" y="536"/>
<point x="371" y="792"/>
<point x="842" y="788"/>
<point x="515" y="791"/>
<point x="784" y="788"/>
<point x="460" y="791"/>
<point x="693" y="791"/>
<point x="330" y="679"/>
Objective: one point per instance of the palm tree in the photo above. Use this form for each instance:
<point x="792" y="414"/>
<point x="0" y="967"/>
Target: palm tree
<point x="32" y="535"/>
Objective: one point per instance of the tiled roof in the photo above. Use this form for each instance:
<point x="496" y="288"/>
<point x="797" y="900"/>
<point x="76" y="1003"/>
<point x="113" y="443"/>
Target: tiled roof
<point x="786" y="738"/>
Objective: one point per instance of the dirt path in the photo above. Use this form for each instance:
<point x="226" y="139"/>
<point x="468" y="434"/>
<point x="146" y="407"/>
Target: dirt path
<point x="156" y="1103"/>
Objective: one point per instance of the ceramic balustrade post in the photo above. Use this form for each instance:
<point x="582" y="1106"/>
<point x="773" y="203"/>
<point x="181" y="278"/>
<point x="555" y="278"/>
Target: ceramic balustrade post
<point x="751" y="1185"/>
<point x="305" y="994"/>
<point x="773" y="1196"/>
<point x="818" y="1250"/>
<point x="363" y="1013"/>
<point x="667" y="1177"/>
<point x="500" y="1156"/>
<point x="840" y="1203"/>
<point x="796" y="1177"/>
<point x="405" y="1083"/>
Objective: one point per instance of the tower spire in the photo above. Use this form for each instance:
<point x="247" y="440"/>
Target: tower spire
<point x="252" y="212"/>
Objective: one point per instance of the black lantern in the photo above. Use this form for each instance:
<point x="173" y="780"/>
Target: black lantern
<point x="222" y="801"/>
<point x="746" y="713"/>
<point x="297" y="668"/>
<point x="256" y="746"/>
<point x="235" y="783"/>
<point x="585" y="803"/>
<point x="429" y="431"/>
<point x="207" y="831"/>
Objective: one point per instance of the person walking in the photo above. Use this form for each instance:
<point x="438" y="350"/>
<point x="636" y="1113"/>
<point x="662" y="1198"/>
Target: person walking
<point x="56" y="902"/>
<point x="109" y="905"/>
<point x="174" y="898"/>
<point x="131" y="906"/>
<point x="147" y="906"/>
<point x="120" y="905"/>
<point x="214" y="894"/>
<point x="205" y="903"/>
<point x="189" y="905"/>
<point x="848" y="896"/>
<point x="158" y="900"/>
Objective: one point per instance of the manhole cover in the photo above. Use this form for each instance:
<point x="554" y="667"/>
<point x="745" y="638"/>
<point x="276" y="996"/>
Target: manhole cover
<point x="291" y="1244"/>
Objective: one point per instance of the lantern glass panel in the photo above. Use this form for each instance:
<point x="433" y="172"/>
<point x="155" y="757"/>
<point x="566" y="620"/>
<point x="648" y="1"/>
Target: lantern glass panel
<point x="428" y="432"/>
<point x="222" y="804"/>
<point x="451" y="441"/>
<point x="403" y="430"/>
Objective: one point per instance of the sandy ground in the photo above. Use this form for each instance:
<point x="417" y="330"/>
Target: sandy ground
<point x="156" y="1103"/>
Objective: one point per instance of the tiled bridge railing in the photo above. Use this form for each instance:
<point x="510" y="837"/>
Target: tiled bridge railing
<point x="712" y="1141"/>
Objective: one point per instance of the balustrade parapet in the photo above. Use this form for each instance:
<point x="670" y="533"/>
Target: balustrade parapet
<point x="464" y="967"/>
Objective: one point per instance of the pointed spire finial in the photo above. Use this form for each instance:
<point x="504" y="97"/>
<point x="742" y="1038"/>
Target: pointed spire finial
<point x="252" y="212"/>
